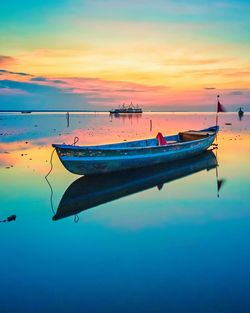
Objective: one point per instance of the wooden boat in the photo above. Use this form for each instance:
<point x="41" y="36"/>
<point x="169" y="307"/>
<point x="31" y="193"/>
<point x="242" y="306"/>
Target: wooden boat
<point x="240" y="113"/>
<point x="89" y="160"/>
<point x="90" y="191"/>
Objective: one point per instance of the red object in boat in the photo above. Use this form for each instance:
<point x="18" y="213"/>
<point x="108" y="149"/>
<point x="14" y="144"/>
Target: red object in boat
<point x="161" y="140"/>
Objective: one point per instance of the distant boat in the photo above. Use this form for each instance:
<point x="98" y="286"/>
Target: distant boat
<point x="90" y="191"/>
<point x="90" y="160"/>
<point x="240" y="113"/>
<point x="26" y="112"/>
<point x="127" y="109"/>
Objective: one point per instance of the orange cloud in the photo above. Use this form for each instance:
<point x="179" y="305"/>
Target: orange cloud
<point x="6" y="60"/>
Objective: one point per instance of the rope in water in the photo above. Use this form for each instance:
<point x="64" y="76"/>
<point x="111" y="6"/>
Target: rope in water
<point x="46" y="177"/>
<point x="76" y="139"/>
<point x="76" y="217"/>
<point x="51" y="163"/>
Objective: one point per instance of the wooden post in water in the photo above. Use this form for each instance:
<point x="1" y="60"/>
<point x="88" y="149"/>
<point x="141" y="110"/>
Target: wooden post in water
<point x="67" y="117"/>
<point x="151" y="125"/>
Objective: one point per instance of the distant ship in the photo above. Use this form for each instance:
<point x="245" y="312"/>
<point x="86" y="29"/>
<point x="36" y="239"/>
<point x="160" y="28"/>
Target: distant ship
<point x="127" y="109"/>
<point x="240" y="113"/>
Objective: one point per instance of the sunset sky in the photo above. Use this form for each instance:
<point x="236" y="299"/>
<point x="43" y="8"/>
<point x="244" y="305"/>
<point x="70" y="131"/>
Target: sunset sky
<point x="162" y="54"/>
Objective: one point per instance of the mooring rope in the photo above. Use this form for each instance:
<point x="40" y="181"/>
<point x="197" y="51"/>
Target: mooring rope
<point x="76" y="139"/>
<point x="46" y="177"/>
<point x="51" y="163"/>
<point x="76" y="218"/>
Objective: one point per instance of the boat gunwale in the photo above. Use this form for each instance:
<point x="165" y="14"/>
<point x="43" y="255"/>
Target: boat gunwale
<point x="116" y="147"/>
<point x="102" y="147"/>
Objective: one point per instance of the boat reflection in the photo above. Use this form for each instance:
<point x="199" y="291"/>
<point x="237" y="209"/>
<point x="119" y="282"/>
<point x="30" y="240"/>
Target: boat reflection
<point x="90" y="191"/>
<point x="126" y="116"/>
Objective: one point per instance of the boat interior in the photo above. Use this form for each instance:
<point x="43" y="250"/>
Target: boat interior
<point x="190" y="135"/>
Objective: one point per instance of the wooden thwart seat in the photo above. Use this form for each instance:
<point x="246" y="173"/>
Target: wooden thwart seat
<point x="193" y="135"/>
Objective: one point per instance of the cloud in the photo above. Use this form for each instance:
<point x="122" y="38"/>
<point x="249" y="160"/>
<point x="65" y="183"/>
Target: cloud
<point x="15" y="73"/>
<point x="196" y="61"/>
<point x="128" y="90"/>
<point x="2" y="86"/>
<point x="47" y="80"/>
<point x="236" y="93"/>
<point x="42" y="92"/>
<point x="39" y="79"/>
<point x="5" y="60"/>
<point x="58" y="81"/>
<point x="237" y="73"/>
<point x="29" y="87"/>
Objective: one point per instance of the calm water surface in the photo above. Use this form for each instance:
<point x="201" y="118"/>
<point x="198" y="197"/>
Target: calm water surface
<point x="178" y="246"/>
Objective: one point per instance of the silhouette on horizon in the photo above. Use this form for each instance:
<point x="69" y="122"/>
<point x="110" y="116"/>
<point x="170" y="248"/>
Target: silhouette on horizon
<point x="240" y="113"/>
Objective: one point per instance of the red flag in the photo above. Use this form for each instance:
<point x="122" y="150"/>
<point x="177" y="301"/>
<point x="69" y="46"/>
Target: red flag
<point x="220" y="107"/>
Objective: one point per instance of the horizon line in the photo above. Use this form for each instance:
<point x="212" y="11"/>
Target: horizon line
<point x="27" y="111"/>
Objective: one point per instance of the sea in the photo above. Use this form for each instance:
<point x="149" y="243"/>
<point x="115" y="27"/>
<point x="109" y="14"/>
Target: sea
<point x="171" y="239"/>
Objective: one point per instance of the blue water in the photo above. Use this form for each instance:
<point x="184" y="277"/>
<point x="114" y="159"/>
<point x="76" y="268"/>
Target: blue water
<point x="178" y="249"/>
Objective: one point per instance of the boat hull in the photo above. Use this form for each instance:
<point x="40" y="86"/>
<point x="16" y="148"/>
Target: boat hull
<point x="112" y="158"/>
